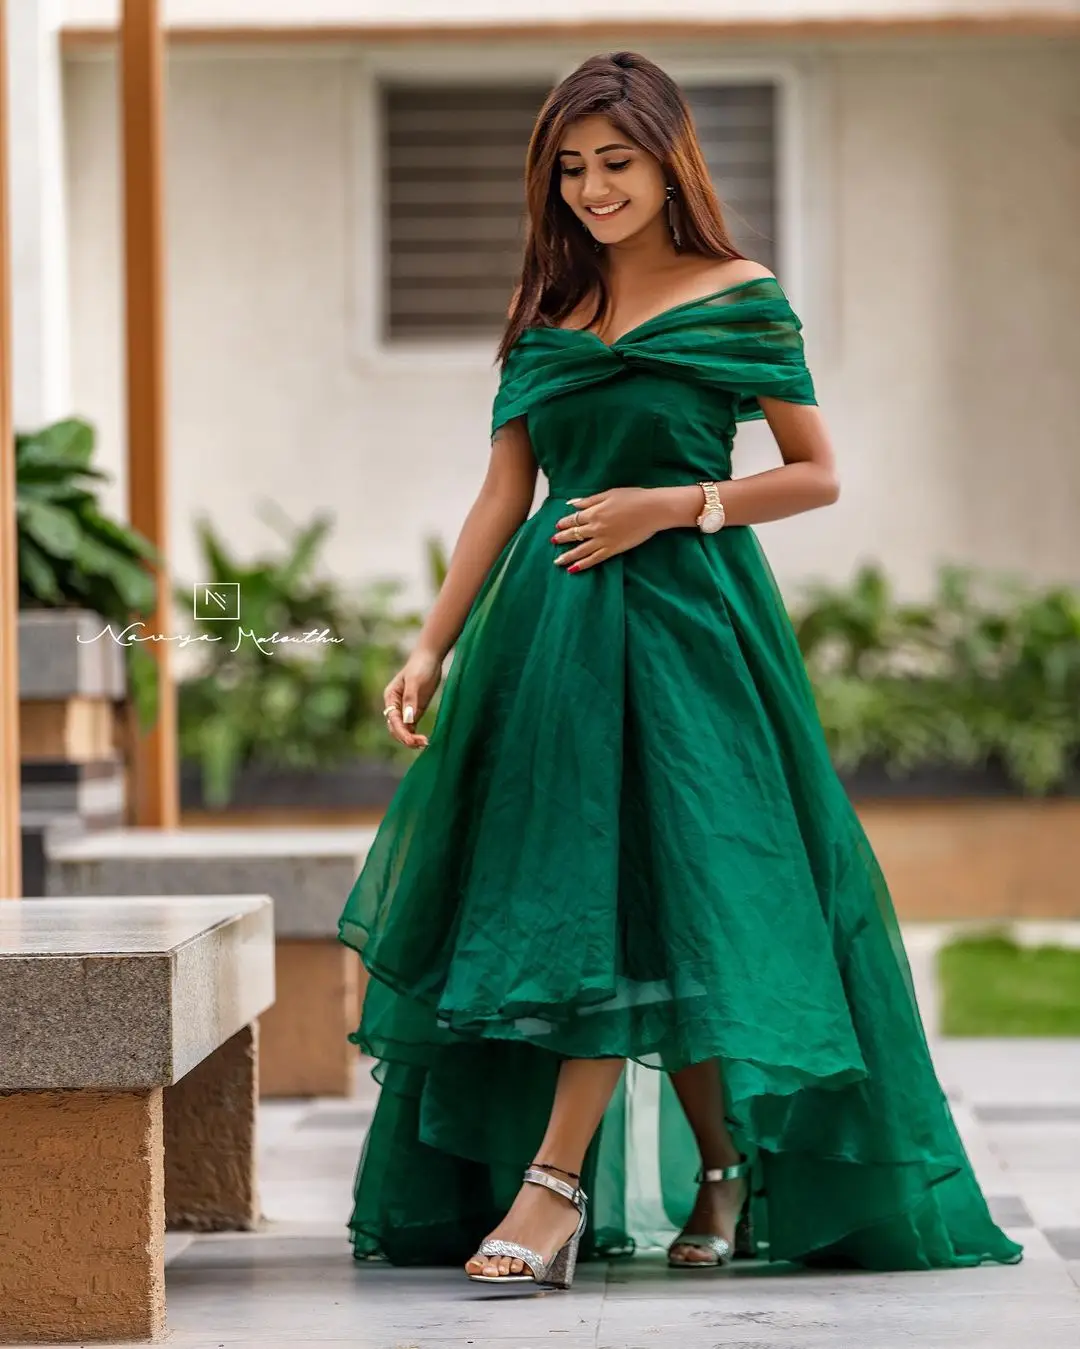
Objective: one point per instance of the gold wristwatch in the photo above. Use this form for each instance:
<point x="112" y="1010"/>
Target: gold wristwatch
<point x="712" y="517"/>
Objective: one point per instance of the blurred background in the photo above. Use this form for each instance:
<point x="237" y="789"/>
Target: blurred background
<point x="344" y="220"/>
<point x="338" y="198"/>
<point x="233" y="271"/>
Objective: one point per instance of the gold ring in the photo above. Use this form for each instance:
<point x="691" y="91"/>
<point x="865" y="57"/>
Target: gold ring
<point x="577" y="518"/>
<point x="577" y="533"/>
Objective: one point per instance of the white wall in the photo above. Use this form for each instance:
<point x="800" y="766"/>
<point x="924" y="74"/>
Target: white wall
<point x="941" y="285"/>
<point x="405" y="12"/>
<point x="38" y="215"/>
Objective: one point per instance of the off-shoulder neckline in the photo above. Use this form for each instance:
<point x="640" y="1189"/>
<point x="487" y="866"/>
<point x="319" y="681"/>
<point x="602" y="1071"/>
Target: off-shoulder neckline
<point x="665" y="313"/>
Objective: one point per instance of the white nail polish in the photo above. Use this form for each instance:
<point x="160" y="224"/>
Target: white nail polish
<point x="408" y="714"/>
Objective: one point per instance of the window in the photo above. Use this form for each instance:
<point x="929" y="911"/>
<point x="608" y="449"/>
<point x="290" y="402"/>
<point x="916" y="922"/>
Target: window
<point x="736" y="124"/>
<point x="454" y="158"/>
<point x="455" y="164"/>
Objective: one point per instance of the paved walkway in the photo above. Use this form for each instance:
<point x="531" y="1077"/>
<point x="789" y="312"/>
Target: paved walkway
<point x="1017" y="1103"/>
<point x="1018" y="1106"/>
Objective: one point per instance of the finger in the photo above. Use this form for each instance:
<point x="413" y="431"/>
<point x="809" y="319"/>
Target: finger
<point x="589" y="558"/>
<point x="581" y="549"/>
<point x="579" y="518"/>
<point x="593" y="559"/>
<point x="397" y="728"/>
<point x="392" y="700"/>
<point x="391" y="708"/>
<point x="576" y="529"/>
<point x="410" y="701"/>
<point x="582" y="502"/>
<point x="572" y="535"/>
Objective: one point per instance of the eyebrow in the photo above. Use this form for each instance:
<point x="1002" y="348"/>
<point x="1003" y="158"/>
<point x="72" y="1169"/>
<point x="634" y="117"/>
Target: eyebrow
<point x="616" y="145"/>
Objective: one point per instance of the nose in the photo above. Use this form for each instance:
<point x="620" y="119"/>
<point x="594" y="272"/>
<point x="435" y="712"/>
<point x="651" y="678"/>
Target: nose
<point x="596" y="189"/>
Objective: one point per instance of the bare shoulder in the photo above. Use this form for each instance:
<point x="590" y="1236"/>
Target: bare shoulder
<point x="733" y="272"/>
<point x="583" y="315"/>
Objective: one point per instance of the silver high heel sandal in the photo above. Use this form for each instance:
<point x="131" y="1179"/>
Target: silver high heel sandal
<point x="722" y="1250"/>
<point x="558" y="1272"/>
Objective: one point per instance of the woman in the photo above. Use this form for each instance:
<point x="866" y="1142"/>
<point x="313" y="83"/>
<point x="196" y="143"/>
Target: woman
<point x="624" y="842"/>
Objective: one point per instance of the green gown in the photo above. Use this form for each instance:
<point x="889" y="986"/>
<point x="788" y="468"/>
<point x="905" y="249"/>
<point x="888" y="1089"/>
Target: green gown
<point x="626" y="838"/>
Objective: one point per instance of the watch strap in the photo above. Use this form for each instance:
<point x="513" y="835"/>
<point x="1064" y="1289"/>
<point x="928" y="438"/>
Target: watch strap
<point x="712" y="497"/>
<point x="712" y="501"/>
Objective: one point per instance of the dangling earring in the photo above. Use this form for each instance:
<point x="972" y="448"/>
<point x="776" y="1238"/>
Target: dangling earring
<point x="676" y="238"/>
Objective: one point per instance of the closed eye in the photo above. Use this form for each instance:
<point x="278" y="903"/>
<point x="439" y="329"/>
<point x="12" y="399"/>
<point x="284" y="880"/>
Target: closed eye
<point x="575" y="171"/>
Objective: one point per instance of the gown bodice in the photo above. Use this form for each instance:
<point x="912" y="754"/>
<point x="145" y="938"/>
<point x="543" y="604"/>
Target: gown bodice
<point x="660" y="403"/>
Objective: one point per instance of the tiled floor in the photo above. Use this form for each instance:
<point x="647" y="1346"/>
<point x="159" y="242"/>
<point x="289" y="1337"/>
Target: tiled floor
<point x="1018" y="1106"/>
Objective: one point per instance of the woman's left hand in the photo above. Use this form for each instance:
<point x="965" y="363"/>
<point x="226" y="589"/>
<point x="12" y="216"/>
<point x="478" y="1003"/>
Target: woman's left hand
<point x="606" y="524"/>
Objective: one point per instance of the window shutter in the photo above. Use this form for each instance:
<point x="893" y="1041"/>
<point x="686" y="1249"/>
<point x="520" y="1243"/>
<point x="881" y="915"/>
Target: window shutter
<point x="455" y="163"/>
<point x="736" y="124"/>
<point x="454" y="194"/>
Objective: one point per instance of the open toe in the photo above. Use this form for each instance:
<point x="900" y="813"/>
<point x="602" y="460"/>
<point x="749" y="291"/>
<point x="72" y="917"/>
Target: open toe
<point x="683" y="1254"/>
<point x="500" y="1259"/>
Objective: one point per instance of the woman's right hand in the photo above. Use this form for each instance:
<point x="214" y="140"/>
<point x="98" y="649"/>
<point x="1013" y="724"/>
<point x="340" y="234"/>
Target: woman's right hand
<point x="408" y="695"/>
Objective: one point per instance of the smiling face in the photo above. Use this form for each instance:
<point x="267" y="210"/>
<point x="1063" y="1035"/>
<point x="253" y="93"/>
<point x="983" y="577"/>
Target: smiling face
<point x="615" y="188"/>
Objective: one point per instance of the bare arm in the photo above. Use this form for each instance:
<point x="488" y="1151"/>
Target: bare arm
<point x="501" y="505"/>
<point x="806" y="480"/>
<point x="609" y="523"/>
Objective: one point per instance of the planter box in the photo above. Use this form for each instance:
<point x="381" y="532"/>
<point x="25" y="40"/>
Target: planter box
<point x="67" y="730"/>
<point x="363" y="784"/>
<point x="70" y="681"/>
<point x="61" y="656"/>
<point x="958" y="843"/>
<point x="1008" y="858"/>
<point x="871" y="781"/>
<point x="93" y="794"/>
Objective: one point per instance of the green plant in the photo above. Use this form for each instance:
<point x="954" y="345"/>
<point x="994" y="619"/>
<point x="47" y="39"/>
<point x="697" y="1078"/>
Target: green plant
<point x="71" y="554"/>
<point x="987" y="670"/>
<point x="992" y="986"/>
<point x="288" y="704"/>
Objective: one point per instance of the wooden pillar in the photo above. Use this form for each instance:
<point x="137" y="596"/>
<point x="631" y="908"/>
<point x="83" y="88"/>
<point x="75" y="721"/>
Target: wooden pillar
<point x="154" y="779"/>
<point x="10" y="839"/>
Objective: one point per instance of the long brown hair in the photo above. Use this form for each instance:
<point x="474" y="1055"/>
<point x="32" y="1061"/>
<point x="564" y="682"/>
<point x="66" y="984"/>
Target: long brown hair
<point x="561" y="265"/>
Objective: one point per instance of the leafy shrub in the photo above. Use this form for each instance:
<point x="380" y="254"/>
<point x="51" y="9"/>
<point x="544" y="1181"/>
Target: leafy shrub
<point x="298" y="706"/>
<point x="988" y="670"/>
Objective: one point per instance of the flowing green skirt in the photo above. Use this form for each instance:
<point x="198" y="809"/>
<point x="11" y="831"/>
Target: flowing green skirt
<point x="626" y="838"/>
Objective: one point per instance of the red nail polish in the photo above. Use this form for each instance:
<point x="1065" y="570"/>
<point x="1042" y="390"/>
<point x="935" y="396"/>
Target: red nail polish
<point x="554" y="538"/>
<point x="573" y="567"/>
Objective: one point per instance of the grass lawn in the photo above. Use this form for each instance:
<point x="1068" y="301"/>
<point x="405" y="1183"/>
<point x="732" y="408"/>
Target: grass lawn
<point x="991" y="986"/>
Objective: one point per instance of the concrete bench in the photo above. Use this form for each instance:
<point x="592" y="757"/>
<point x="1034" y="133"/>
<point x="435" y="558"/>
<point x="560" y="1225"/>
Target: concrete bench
<point x="308" y="872"/>
<point x="128" y="1061"/>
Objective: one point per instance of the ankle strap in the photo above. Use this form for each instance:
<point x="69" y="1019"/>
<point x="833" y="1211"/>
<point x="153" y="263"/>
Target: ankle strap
<point x="534" y="1176"/>
<point x="734" y="1172"/>
<point x="550" y="1166"/>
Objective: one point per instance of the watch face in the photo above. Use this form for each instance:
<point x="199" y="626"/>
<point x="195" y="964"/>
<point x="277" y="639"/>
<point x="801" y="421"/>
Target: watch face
<point x="711" y="521"/>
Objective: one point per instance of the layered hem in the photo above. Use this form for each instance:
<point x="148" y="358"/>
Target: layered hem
<point x="461" y="1114"/>
<point x="594" y="859"/>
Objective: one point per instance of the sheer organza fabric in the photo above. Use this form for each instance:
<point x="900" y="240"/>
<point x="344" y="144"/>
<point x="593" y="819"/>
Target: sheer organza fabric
<point x="626" y="838"/>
